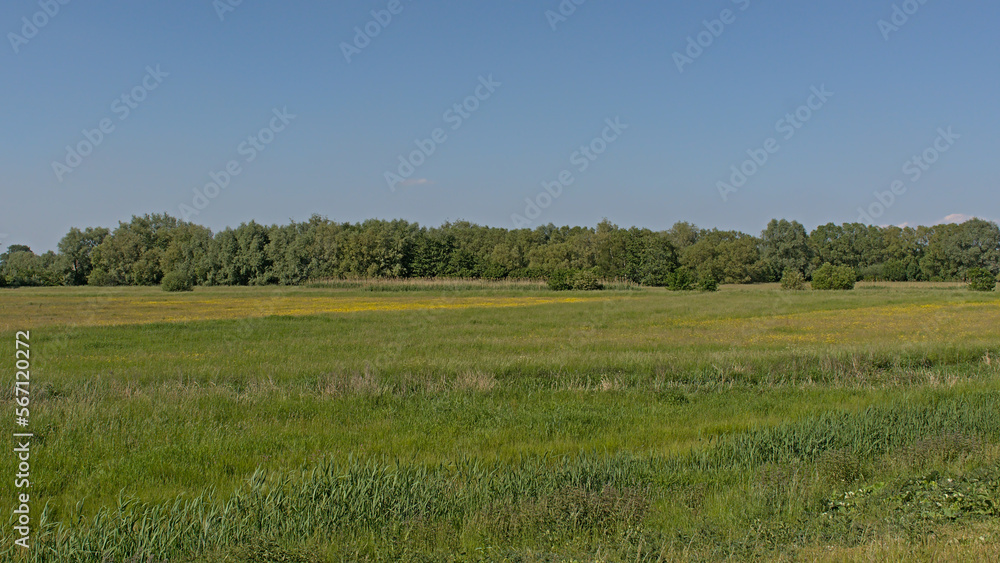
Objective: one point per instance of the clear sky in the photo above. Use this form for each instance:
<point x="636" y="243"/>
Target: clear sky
<point x="197" y="85"/>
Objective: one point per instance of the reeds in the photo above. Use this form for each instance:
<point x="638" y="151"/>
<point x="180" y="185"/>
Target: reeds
<point x="589" y="494"/>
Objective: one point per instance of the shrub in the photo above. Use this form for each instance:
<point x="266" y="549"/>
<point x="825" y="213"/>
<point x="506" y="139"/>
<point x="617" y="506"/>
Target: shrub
<point x="680" y="279"/>
<point x="560" y="280"/>
<point x="793" y="280"/>
<point x="582" y="280"/>
<point x="829" y="276"/>
<point x="586" y="280"/>
<point x="981" y="280"/>
<point x="177" y="281"/>
<point x="708" y="283"/>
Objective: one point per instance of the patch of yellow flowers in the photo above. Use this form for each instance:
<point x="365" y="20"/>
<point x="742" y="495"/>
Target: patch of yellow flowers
<point x="888" y="324"/>
<point x="118" y="310"/>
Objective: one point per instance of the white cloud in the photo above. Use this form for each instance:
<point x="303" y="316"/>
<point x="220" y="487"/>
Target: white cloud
<point x="956" y="218"/>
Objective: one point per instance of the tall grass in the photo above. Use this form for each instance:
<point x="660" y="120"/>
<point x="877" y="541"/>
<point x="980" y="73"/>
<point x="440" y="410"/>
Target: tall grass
<point x="619" y="425"/>
<point x="590" y="495"/>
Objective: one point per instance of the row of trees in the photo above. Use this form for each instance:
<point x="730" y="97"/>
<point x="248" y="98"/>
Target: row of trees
<point x="143" y="250"/>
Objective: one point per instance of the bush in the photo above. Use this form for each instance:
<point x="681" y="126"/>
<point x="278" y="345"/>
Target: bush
<point x="981" y="280"/>
<point x="560" y="280"/>
<point x="177" y="281"/>
<point x="708" y="283"/>
<point x="829" y="276"/>
<point x="680" y="279"/>
<point x="586" y="280"/>
<point x="793" y="280"/>
<point x="582" y="280"/>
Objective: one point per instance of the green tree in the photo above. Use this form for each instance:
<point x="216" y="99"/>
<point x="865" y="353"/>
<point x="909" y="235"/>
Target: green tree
<point x="19" y="266"/>
<point x="728" y="256"/>
<point x="379" y="249"/>
<point x="650" y="257"/>
<point x="784" y="245"/>
<point x="432" y="250"/>
<point x="133" y="252"/>
<point x="865" y="248"/>
<point x="903" y="252"/>
<point x="290" y="253"/>
<point x="140" y="251"/>
<point x="609" y="250"/>
<point x="75" y="251"/>
<point x="188" y="252"/>
<point x="683" y="234"/>
<point x="239" y="256"/>
<point x="953" y="249"/>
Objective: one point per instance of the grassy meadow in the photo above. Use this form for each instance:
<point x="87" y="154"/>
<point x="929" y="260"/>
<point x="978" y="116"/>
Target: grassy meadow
<point x="469" y="421"/>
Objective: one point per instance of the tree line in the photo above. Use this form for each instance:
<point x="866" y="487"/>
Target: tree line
<point x="145" y="249"/>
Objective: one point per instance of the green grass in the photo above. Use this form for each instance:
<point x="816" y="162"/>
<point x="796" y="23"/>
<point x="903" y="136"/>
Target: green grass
<point x="630" y="425"/>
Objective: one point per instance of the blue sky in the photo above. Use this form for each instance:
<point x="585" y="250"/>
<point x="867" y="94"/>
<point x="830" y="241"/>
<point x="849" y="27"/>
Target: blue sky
<point x="218" y="80"/>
